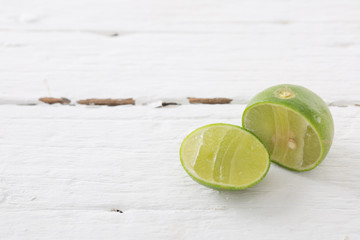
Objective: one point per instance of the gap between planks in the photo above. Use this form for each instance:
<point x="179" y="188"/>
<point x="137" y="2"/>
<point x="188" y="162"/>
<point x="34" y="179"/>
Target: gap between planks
<point x="156" y="103"/>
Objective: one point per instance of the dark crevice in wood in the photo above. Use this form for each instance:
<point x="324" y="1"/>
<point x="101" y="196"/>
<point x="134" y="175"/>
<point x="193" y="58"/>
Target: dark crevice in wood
<point x="164" y="104"/>
<point x="131" y="101"/>
<point x="27" y="104"/>
<point x="115" y="34"/>
<point x="107" y="101"/>
<point x="116" y="210"/>
<point x="51" y="100"/>
<point x="193" y="100"/>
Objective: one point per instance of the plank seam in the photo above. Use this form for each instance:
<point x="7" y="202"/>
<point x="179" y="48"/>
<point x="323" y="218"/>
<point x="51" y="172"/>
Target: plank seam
<point x="113" y="102"/>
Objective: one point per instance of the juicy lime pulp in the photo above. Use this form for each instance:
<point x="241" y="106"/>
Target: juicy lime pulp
<point x="294" y="124"/>
<point x="224" y="156"/>
<point x="289" y="137"/>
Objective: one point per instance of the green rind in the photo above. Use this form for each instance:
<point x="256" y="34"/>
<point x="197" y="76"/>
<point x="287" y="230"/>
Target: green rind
<point x="219" y="186"/>
<point x="307" y="104"/>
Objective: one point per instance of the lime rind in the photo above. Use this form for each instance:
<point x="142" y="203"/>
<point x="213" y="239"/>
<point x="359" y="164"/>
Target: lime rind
<point x="224" y="186"/>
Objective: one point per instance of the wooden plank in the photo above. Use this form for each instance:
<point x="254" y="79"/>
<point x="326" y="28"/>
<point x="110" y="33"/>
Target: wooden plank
<point x="160" y="50"/>
<point x="162" y="15"/>
<point x="253" y="223"/>
<point x="64" y="168"/>
<point x="176" y="66"/>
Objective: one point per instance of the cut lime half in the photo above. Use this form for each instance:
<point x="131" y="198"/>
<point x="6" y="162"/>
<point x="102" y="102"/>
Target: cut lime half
<point x="224" y="156"/>
<point x="294" y="124"/>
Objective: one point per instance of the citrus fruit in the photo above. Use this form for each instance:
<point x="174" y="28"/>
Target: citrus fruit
<point x="224" y="156"/>
<point x="294" y="123"/>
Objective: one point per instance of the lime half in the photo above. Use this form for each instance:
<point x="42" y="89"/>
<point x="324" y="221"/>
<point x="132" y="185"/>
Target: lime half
<point x="224" y="156"/>
<point x="294" y="124"/>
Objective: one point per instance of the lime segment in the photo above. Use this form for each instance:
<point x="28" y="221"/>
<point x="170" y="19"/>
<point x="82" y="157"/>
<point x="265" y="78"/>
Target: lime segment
<point x="224" y="156"/>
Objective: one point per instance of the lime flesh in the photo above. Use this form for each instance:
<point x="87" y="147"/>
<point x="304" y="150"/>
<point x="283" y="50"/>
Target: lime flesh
<point x="289" y="137"/>
<point x="224" y="156"/>
<point x="294" y="124"/>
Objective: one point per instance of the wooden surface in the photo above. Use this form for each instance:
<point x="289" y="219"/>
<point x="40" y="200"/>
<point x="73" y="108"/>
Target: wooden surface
<point x="85" y="172"/>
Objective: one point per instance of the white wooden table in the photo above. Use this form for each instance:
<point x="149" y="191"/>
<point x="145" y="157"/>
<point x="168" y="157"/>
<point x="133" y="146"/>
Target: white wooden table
<point x="98" y="172"/>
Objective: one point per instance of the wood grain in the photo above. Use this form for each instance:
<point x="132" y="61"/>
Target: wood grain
<point x="68" y="167"/>
<point x="172" y="50"/>
<point x="96" y="172"/>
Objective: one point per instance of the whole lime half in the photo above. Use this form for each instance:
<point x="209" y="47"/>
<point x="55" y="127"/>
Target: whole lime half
<point x="224" y="156"/>
<point x="294" y="123"/>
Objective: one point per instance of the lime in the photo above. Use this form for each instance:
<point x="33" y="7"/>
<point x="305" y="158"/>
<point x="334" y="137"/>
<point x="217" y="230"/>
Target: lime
<point x="224" y="156"/>
<point x="294" y="123"/>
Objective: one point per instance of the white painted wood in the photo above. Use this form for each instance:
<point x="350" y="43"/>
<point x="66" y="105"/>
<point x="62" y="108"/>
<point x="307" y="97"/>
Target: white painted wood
<point x="173" y="50"/>
<point x="64" y="168"/>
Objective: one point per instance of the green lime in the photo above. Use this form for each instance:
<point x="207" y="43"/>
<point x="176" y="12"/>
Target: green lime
<point x="224" y="156"/>
<point x="294" y="123"/>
